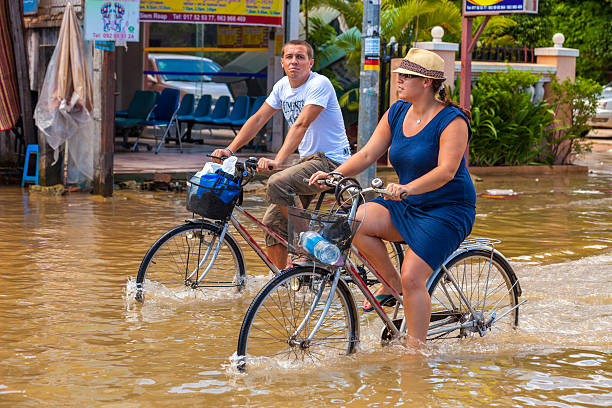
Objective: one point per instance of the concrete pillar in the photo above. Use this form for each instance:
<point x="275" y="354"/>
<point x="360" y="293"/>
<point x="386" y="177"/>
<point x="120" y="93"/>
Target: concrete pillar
<point x="565" y="61"/>
<point x="562" y="58"/>
<point x="445" y="50"/>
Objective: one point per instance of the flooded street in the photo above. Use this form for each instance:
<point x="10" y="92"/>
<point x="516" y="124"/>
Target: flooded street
<point x="71" y="334"/>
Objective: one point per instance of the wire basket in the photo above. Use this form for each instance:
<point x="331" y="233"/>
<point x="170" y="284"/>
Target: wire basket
<point x="210" y="198"/>
<point x="334" y="227"/>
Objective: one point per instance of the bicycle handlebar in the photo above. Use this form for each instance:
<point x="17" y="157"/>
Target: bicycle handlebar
<point x="355" y="188"/>
<point x="250" y="163"/>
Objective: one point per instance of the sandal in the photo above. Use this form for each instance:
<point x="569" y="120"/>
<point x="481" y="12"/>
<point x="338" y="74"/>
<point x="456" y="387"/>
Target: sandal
<point x="383" y="300"/>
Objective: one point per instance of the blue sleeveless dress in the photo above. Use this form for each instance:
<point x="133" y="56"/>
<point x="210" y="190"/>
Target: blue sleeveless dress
<point x="433" y="224"/>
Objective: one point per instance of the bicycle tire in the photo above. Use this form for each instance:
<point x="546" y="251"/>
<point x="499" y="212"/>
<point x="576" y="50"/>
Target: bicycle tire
<point x="488" y="282"/>
<point x="279" y="308"/>
<point x="175" y="255"/>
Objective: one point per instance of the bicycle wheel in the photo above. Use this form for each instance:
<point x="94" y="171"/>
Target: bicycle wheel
<point x="177" y="261"/>
<point x="270" y="327"/>
<point x="491" y="288"/>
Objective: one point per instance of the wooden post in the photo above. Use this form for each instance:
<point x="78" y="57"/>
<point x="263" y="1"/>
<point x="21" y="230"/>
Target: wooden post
<point x="103" y="185"/>
<point x="465" y="86"/>
<point x="21" y="67"/>
<point x="467" y="45"/>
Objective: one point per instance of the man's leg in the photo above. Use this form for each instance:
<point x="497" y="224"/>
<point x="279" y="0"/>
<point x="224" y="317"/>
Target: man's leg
<point x="281" y="191"/>
<point x="275" y="218"/>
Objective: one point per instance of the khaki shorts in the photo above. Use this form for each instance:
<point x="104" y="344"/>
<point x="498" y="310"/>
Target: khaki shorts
<point x="287" y="185"/>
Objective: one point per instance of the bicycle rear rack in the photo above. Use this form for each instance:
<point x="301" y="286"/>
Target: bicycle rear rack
<point x="478" y="242"/>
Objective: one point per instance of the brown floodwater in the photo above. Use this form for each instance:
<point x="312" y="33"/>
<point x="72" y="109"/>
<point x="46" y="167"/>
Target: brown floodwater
<point x="72" y="336"/>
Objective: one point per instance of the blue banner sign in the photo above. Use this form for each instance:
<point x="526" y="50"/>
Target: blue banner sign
<point x="480" y="7"/>
<point x="30" y="6"/>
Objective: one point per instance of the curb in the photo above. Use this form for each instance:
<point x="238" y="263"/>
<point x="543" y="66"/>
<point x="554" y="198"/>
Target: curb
<point x="514" y="170"/>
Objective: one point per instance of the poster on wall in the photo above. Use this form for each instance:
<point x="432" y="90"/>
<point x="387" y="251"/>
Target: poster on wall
<point x="249" y="12"/>
<point x="112" y="20"/>
<point x="482" y="7"/>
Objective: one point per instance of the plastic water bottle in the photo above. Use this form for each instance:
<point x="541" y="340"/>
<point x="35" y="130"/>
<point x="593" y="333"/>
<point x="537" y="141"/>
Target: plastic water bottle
<point x="322" y="249"/>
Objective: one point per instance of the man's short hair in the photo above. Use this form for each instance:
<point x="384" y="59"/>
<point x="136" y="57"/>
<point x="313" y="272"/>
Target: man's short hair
<point x="298" y="42"/>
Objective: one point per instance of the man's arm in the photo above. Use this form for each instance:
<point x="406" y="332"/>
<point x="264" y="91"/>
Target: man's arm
<point x="295" y="135"/>
<point x="248" y="130"/>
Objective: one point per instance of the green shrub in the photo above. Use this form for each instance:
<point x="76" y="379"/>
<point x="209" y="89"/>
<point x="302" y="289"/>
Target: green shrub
<point x="508" y="128"/>
<point x="578" y="101"/>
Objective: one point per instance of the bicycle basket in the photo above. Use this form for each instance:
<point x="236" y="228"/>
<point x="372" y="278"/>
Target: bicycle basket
<point x="333" y="227"/>
<point x="213" y="195"/>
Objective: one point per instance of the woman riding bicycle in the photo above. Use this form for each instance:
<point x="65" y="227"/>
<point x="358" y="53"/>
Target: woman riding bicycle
<point x="426" y="138"/>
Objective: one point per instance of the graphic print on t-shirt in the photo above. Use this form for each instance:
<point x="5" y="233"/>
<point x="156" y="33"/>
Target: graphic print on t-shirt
<point x="291" y="110"/>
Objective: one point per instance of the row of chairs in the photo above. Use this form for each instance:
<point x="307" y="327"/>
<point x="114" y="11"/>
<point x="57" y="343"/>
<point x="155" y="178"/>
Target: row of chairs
<point x="148" y="109"/>
<point x="219" y="116"/>
<point x="152" y="109"/>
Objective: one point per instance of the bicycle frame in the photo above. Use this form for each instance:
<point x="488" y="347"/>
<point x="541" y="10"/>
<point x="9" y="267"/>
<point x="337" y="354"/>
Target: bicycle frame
<point x="251" y="241"/>
<point x="247" y="238"/>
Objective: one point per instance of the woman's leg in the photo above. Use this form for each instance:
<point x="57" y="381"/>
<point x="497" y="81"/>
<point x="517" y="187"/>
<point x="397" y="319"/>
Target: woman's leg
<point x="375" y="227"/>
<point x="417" y="303"/>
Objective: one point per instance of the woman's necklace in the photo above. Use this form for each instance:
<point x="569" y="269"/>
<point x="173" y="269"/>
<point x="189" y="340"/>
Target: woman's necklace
<point x="426" y="113"/>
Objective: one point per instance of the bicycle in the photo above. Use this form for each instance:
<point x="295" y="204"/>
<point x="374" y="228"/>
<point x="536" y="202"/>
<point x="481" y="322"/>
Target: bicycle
<point x="308" y="312"/>
<point x="202" y="253"/>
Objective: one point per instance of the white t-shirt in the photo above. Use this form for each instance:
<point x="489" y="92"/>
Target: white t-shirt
<point x="326" y="133"/>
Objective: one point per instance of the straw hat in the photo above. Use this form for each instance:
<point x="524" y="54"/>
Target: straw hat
<point x="422" y="63"/>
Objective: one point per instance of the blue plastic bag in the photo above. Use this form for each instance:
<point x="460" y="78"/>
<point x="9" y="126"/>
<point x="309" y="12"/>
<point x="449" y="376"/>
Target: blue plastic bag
<point x="221" y="184"/>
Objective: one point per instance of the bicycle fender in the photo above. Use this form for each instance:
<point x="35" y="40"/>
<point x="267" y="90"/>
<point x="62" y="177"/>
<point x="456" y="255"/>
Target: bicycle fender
<point x="435" y="276"/>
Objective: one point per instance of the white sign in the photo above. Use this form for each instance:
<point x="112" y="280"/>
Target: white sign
<point x="117" y="20"/>
<point x="484" y="7"/>
<point x="372" y="46"/>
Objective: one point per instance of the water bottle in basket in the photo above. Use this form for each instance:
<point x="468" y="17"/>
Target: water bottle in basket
<point x="320" y="248"/>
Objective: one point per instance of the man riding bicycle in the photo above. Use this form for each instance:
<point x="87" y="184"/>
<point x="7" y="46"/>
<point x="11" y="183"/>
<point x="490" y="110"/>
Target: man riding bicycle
<point x="311" y="108"/>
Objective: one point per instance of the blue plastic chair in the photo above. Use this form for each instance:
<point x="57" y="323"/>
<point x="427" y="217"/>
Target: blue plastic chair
<point x="221" y="110"/>
<point x="185" y="109"/>
<point x="165" y="114"/>
<point x="204" y="106"/>
<point x="239" y="112"/>
<point x="202" y="109"/>
<point x="140" y="109"/>
<point x="258" y="140"/>
<point x="32" y="148"/>
<point x="256" y="105"/>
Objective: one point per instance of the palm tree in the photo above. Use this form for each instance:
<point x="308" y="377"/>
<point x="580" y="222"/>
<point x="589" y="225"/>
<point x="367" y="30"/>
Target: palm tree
<point x="405" y="20"/>
<point x="413" y="19"/>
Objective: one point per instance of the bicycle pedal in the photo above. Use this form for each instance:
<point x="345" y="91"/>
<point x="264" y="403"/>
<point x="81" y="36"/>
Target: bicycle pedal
<point x="386" y="337"/>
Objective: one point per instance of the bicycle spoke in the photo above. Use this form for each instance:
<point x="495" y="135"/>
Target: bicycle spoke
<point x="488" y="288"/>
<point x="178" y="255"/>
